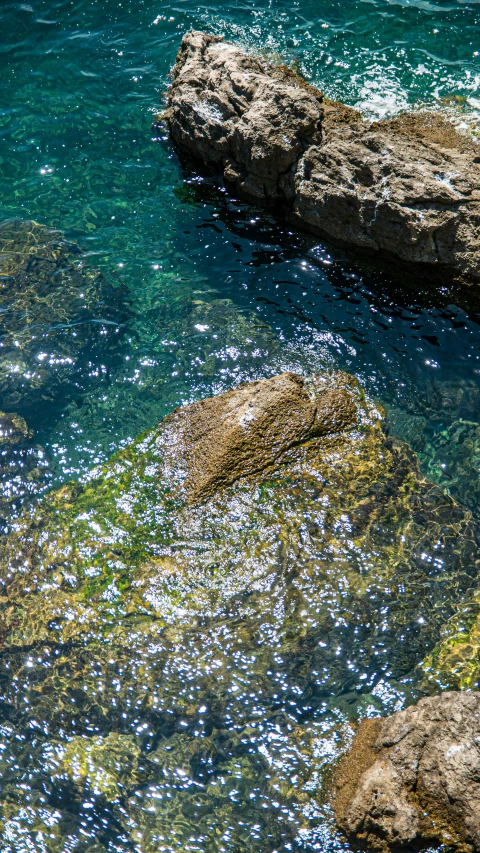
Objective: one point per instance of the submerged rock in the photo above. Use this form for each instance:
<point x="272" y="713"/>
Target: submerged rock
<point x="23" y="466"/>
<point x="455" y="660"/>
<point x="412" y="780"/>
<point x="196" y="602"/>
<point x="51" y="307"/>
<point x="234" y="110"/>
<point x="409" y="187"/>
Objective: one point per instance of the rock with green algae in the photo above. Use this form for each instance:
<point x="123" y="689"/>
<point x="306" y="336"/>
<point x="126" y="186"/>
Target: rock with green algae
<point x="198" y="624"/>
<point x="455" y="660"/>
<point x="104" y="765"/>
<point x="51" y="304"/>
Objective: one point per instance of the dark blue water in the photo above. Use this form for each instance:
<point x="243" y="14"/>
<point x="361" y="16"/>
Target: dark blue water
<point x="207" y="290"/>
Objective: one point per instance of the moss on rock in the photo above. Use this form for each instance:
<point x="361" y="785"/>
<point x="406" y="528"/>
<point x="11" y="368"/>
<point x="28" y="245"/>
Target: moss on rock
<point x="197" y="628"/>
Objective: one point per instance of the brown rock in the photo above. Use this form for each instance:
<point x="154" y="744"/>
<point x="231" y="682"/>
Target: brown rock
<point x="413" y="779"/>
<point x="239" y="112"/>
<point x="408" y="187"/>
<point x="218" y="440"/>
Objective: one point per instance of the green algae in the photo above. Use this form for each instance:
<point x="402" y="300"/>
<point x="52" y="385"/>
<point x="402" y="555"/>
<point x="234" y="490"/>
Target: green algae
<point x="455" y="661"/>
<point x="196" y="630"/>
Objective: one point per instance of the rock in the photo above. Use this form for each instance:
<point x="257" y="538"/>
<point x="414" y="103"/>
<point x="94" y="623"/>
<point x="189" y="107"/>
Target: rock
<point x="218" y="440"/>
<point x="13" y="430"/>
<point x="413" y="779"/>
<point x="408" y="187"/>
<point x="198" y="619"/>
<point x="52" y="305"/>
<point x="23" y="467"/>
<point x="234" y="110"/>
<point x="455" y="660"/>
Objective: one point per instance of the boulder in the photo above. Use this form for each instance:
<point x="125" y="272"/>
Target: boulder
<point x="181" y="605"/>
<point x="234" y="110"/>
<point x="408" y="187"/>
<point x="413" y="779"/>
<point x="218" y="440"/>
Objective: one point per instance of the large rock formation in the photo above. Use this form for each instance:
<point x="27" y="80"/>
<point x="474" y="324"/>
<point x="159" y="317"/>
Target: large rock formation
<point x="168" y="624"/>
<point x="408" y="187"/>
<point x="413" y="779"/>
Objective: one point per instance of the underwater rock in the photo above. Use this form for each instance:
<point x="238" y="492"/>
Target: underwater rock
<point x="409" y="187"/>
<point x="51" y="306"/>
<point x="455" y="660"/>
<point x="13" y="430"/>
<point x="23" y="467"/>
<point x="209" y="631"/>
<point x="412" y="780"/>
<point x="243" y="431"/>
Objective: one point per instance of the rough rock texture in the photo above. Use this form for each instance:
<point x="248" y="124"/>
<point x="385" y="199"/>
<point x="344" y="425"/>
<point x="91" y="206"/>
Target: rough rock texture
<point x="409" y="187"/>
<point x="222" y="438"/>
<point x="234" y="110"/>
<point x="413" y="779"/>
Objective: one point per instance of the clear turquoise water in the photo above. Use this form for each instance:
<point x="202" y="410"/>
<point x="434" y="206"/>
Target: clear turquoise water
<point x="219" y="291"/>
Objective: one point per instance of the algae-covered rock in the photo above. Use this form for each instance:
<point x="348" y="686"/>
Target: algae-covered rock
<point x="455" y="660"/>
<point x="412" y="780"/>
<point x="209" y="628"/>
<point x="51" y="306"/>
<point x="105" y="766"/>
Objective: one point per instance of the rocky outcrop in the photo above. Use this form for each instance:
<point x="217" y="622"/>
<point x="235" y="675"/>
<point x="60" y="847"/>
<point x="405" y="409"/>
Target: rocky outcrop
<point x="236" y="111"/>
<point x="413" y="779"/>
<point x="408" y="187"/>
<point x="140" y="619"/>
<point x="218" y="440"/>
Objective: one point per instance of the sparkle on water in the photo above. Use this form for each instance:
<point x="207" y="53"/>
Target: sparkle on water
<point x="207" y="716"/>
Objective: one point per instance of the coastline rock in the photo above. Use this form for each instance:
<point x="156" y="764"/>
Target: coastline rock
<point x="409" y="187"/>
<point x="242" y="432"/>
<point x="413" y="779"/>
<point x="234" y="110"/>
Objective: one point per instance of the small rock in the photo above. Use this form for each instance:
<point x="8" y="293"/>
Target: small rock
<point x="13" y="430"/>
<point x="413" y="779"/>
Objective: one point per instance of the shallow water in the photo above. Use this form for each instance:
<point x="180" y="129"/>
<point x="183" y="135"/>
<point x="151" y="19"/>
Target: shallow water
<point x="211" y="291"/>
